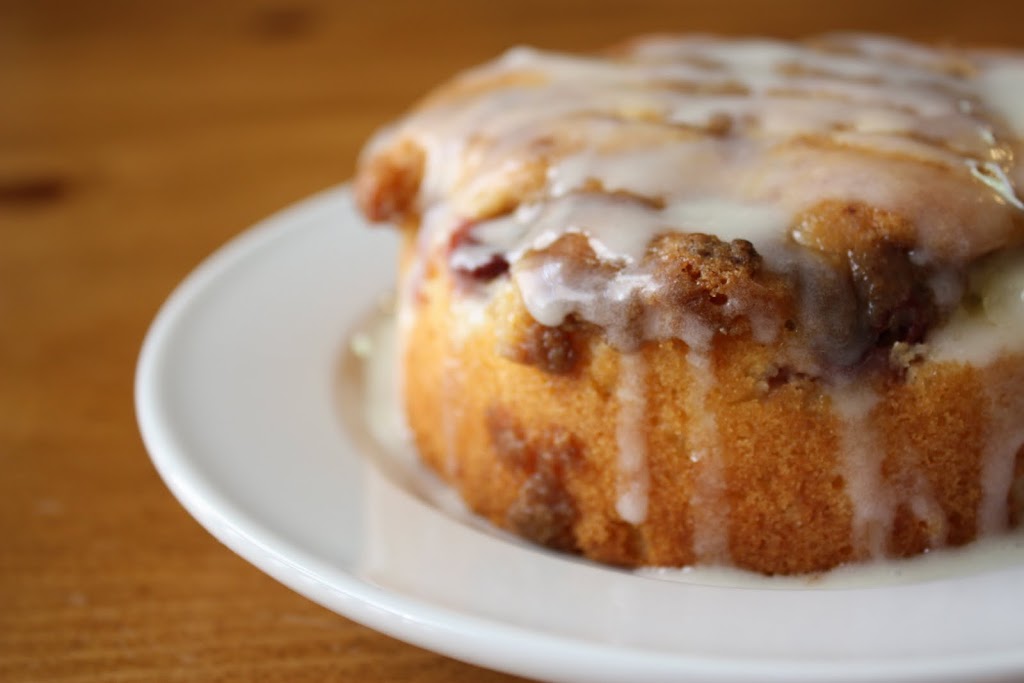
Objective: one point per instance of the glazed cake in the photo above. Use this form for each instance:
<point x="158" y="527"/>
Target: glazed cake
<point x="709" y="301"/>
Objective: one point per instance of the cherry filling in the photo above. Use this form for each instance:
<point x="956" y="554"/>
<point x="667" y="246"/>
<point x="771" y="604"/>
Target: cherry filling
<point x="472" y="260"/>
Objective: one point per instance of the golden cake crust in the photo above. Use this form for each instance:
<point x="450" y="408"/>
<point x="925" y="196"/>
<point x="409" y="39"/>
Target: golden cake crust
<point x="536" y="451"/>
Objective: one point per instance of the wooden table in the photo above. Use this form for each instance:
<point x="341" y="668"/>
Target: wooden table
<point x="134" y="139"/>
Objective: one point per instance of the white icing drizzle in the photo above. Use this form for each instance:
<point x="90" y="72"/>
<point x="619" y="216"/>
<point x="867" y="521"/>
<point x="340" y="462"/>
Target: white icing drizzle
<point x="979" y="336"/>
<point x="1002" y="81"/>
<point x="709" y="506"/>
<point x="631" y="439"/>
<point x="733" y="138"/>
<point x="875" y="497"/>
<point x="1004" y="438"/>
<point x="862" y="453"/>
<point x="998" y="459"/>
<point x="782" y="90"/>
<point x="924" y="506"/>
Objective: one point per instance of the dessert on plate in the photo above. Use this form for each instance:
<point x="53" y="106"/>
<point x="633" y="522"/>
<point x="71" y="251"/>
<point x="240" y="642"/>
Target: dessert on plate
<point x="699" y="300"/>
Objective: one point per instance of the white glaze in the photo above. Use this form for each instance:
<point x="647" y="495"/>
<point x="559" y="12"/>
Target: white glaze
<point x="861" y="455"/>
<point x="998" y="458"/>
<point x="1003" y="84"/>
<point x="924" y="506"/>
<point x="733" y="138"/>
<point x="709" y="507"/>
<point x="1004" y="439"/>
<point x="978" y="337"/>
<point x="631" y="439"/>
<point x="892" y="103"/>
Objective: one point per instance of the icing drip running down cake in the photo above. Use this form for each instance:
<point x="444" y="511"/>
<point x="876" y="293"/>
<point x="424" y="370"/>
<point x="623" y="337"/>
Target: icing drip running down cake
<point x="709" y="301"/>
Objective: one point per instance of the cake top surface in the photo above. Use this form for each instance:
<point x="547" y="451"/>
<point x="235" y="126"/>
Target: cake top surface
<point x="847" y="154"/>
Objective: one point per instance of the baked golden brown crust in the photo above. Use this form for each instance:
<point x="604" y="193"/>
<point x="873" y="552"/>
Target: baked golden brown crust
<point x="712" y="302"/>
<point x="535" y="451"/>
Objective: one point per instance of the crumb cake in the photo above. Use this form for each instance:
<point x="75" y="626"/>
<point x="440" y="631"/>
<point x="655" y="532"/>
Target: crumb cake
<point x="711" y="301"/>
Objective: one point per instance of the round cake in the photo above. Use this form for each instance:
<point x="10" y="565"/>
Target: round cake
<point x="708" y="301"/>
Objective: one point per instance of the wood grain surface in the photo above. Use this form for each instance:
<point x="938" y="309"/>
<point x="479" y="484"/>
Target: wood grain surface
<point x="136" y="137"/>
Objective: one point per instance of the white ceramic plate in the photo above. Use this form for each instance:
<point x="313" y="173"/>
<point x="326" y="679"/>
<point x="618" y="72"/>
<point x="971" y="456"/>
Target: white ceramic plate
<point x="239" y="403"/>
